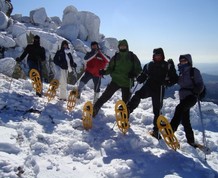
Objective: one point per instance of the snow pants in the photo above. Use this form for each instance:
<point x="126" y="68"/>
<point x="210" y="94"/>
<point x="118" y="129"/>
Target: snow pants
<point x="182" y="115"/>
<point x="108" y="93"/>
<point x="157" y="101"/>
<point x="61" y="76"/>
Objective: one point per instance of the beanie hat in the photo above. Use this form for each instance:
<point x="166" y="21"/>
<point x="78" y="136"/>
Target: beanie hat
<point x="94" y="43"/>
<point x="188" y="57"/>
<point x="158" y="51"/>
<point x="36" y="37"/>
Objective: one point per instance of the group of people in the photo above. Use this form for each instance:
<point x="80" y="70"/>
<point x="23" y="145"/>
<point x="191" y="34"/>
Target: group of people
<point x="124" y="67"/>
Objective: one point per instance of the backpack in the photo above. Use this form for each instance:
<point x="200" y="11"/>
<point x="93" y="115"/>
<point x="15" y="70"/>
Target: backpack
<point x="202" y="95"/>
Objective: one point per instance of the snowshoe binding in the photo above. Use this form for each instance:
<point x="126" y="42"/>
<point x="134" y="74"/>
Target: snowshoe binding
<point x="167" y="133"/>
<point x="87" y="115"/>
<point x="121" y="115"/>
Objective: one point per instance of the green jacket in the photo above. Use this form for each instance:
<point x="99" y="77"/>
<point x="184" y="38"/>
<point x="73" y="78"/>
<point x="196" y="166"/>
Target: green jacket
<point x="121" y="66"/>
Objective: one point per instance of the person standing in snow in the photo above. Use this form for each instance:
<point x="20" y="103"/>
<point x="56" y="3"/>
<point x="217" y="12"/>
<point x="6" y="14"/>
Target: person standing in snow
<point x="36" y="56"/>
<point x="157" y="74"/>
<point x="95" y="60"/>
<point x="64" y="64"/>
<point x="188" y="93"/>
<point x="123" y="68"/>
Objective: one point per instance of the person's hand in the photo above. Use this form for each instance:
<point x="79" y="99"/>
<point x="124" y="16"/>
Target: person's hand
<point x="18" y="59"/>
<point x="131" y="75"/>
<point x="102" y="72"/>
<point x="74" y="65"/>
<point x="141" y="78"/>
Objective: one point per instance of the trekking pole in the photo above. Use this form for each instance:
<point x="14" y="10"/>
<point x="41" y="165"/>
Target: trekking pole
<point x="203" y="130"/>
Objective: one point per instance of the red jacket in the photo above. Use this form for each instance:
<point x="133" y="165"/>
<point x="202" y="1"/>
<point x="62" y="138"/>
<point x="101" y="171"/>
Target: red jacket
<point x="95" y="62"/>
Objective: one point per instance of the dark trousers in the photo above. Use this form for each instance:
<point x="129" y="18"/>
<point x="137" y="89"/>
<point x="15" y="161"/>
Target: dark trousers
<point x="96" y="80"/>
<point x="182" y="115"/>
<point x="35" y="65"/>
<point x="157" y="101"/>
<point x="108" y="93"/>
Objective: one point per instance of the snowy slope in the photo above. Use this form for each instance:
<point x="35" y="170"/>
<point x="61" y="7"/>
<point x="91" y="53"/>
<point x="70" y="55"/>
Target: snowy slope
<point x="53" y="143"/>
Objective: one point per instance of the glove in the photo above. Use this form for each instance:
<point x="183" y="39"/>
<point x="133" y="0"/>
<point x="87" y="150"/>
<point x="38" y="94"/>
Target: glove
<point x="131" y="75"/>
<point x="141" y="78"/>
<point x="18" y="59"/>
<point x="102" y="72"/>
<point x="74" y="65"/>
<point x="170" y="61"/>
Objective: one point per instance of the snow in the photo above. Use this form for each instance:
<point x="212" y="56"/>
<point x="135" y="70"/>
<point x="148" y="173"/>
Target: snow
<point x="53" y="143"/>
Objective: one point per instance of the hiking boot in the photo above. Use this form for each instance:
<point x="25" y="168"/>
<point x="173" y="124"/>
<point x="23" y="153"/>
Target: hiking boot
<point x="38" y="94"/>
<point x="120" y="108"/>
<point x="95" y="111"/>
<point x="163" y="124"/>
<point x="193" y="144"/>
<point x="155" y="134"/>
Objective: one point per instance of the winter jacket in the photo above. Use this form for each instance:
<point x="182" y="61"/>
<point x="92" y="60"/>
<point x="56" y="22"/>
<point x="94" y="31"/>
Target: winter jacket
<point x="155" y="73"/>
<point x="187" y="87"/>
<point x="121" y="66"/>
<point x="60" y="59"/>
<point x="95" y="61"/>
<point x="36" y="53"/>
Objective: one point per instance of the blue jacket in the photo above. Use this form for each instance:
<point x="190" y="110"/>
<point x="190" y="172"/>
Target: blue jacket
<point x="187" y="87"/>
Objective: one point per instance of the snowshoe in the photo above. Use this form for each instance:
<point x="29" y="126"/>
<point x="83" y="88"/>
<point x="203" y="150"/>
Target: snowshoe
<point x="167" y="133"/>
<point x="54" y="84"/>
<point x="121" y="115"/>
<point x="71" y="102"/>
<point x="36" y="80"/>
<point x="87" y="115"/>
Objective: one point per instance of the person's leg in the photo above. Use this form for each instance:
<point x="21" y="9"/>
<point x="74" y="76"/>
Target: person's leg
<point x="125" y="94"/>
<point x="144" y="92"/>
<point x="33" y="65"/>
<point x="107" y="94"/>
<point x="181" y="111"/>
<point x="86" y="77"/>
<point x="186" y="121"/>
<point x="97" y="84"/>
<point x="63" y="84"/>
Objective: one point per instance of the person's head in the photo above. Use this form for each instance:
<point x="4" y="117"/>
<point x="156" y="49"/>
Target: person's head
<point x="123" y="46"/>
<point x="64" y="45"/>
<point x="36" y="40"/>
<point x="185" y="61"/>
<point x="158" y="54"/>
<point x="94" y="45"/>
<point x="185" y="58"/>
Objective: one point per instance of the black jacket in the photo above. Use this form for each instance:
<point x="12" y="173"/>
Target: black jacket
<point x="60" y="60"/>
<point x="35" y="52"/>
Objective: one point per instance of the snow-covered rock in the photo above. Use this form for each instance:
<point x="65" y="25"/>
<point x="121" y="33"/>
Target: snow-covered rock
<point x="3" y="21"/>
<point x="38" y="16"/>
<point x="7" y="41"/>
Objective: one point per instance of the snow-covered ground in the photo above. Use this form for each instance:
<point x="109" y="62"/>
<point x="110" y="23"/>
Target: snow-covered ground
<point x="53" y="143"/>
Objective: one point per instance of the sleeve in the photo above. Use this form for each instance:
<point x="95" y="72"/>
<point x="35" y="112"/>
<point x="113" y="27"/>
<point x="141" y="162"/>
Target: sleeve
<point x="90" y="55"/>
<point x="72" y="63"/>
<point x="56" y="58"/>
<point x="26" y="51"/>
<point x="111" y="66"/>
<point x="138" y="66"/>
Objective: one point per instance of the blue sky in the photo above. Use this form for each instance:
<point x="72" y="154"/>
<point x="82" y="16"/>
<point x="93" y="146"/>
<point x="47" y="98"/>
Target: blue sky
<point x="178" y="26"/>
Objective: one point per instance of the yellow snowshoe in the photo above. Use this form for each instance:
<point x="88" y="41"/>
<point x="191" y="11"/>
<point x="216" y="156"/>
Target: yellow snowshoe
<point x="121" y="115"/>
<point x="167" y="133"/>
<point x="36" y="80"/>
<point x="87" y="115"/>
